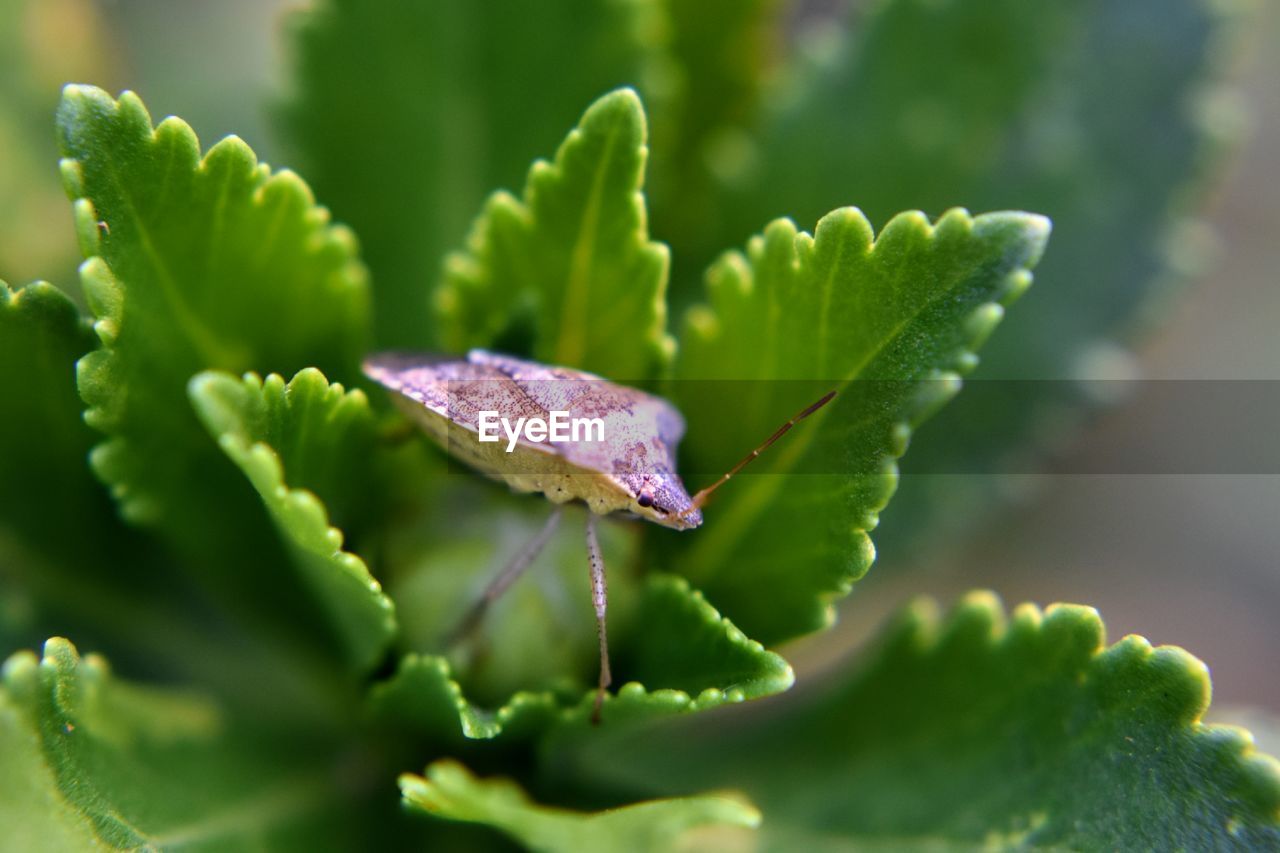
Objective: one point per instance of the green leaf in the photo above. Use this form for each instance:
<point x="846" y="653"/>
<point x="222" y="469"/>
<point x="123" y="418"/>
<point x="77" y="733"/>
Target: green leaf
<point x="1123" y="198"/>
<point x="320" y="435"/>
<point x="573" y="256"/>
<point x="46" y="488"/>
<point x="409" y="114"/>
<point x="193" y="264"/>
<point x="424" y="697"/>
<point x="44" y="478"/>
<point x="1017" y="107"/>
<point x="104" y="763"/>
<point x="32" y="813"/>
<point x="450" y="791"/>
<point x="680" y="642"/>
<point x="107" y="581"/>
<point x="680" y="657"/>
<point x="974" y="732"/>
<point x="888" y="324"/>
<point x="541" y="632"/>
<point x="323" y="436"/>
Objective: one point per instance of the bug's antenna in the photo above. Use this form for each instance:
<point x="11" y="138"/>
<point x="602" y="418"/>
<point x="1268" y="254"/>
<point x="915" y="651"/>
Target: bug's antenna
<point x="700" y="499"/>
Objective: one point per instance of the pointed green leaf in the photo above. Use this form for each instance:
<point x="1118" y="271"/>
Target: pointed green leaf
<point x="680" y="657"/>
<point x="971" y="732"/>
<point x="323" y="435"/>
<point x="193" y="263"/>
<point x="197" y="263"/>
<point x="319" y="435"/>
<point x="888" y="324"/>
<point x="1018" y="106"/>
<point x="450" y="791"/>
<point x="572" y="257"/>
<point x="111" y="764"/>
<point x="407" y="115"/>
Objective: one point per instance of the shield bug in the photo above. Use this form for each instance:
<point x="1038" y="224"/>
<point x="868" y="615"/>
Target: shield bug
<point x="502" y="416"/>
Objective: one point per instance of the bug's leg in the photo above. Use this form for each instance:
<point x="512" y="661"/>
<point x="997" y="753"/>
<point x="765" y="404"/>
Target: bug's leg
<point x="600" y="599"/>
<point x="509" y="574"/>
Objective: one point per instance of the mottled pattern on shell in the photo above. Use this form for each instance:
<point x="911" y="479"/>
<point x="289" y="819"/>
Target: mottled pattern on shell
<point x="641" y="430"/>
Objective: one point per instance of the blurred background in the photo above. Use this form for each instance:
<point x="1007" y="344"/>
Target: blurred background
<point x="1190" y="559"/>
<point x="1187" y="559"/>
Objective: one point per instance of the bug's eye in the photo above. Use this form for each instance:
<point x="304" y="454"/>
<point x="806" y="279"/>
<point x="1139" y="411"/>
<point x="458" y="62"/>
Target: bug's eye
<point x="645" y="500"/>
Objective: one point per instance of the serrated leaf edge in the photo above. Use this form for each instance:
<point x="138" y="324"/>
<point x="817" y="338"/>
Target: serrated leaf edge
<point x="105" y="293"/>
<point x="33" y="296"/>
<point x="65" y="676"/>
<point x="980" y="617"/>
<point x="465" y="263"/>
<point x="430" y="794"/>
<point x="263" y="467"/>
<point x="943" y="382"/>
<point x="479" y="724"/>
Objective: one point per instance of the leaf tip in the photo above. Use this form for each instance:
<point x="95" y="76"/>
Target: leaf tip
<point x="623" y="103"/>
<point x="1078" y="619"/>
<point x="84" y="109"/>
<point x="79" y="100"/>
<point x="845" y="225"/>
<point x="18" y="666"/>
<point x="617" y="116"/>
<point x="200" y="385"/>
<point x="101" y="290"/>
<point x="1038" y="229"/>
<point x="979" y="615"/>
<point x="72" y="177"/>
<point x="230" y="156"/>
<point x="1187" y="685"/>
<point x="60" y="653"/>
<point x="1025" y="235"/>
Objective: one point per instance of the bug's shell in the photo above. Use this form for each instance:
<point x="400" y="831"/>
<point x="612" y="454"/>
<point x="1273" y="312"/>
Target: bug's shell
<point x="641" y="431"/>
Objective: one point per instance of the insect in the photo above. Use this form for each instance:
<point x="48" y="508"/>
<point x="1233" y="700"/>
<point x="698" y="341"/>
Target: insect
<point x="626" y="467"/>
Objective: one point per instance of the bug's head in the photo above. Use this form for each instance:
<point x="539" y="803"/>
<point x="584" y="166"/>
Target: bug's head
<point x="660" y="497"/>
